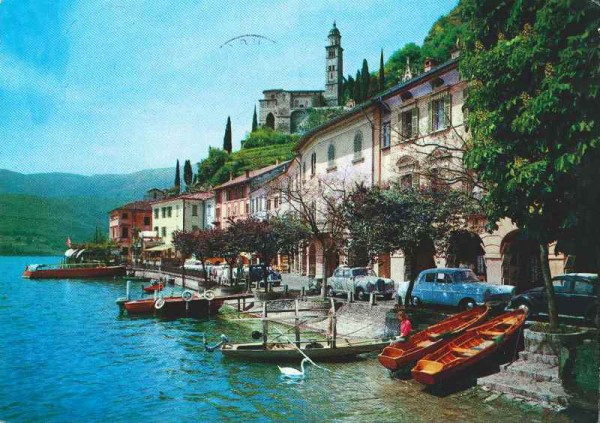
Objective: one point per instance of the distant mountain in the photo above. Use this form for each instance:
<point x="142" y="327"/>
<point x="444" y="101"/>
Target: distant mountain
<point x="118" y="187"/>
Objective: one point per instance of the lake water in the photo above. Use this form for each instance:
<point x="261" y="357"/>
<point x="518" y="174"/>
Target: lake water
<point x="67" y="355"/>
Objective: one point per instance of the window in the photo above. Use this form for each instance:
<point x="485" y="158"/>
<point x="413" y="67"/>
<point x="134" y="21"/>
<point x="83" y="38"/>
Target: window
<point x="147" y="221"/>
<point x="164" y="231"/>
<point x="156" y="213"/>
<point x="439" y="112"/>
<point x="304" y="170"/>
<point x="194" y="210"/>
<point x="583" y="288"/>
<point x="177" y="210"/>
<point x="406" y="180"/>
<point x="560" y="286"/>
<point x="156" y="230"/>
<point x="195" y="228"/>
<point x="385" y="135"/>
<point x="358" y="139"/>
<point x="313" y="164"/>
<point x="125" y="216"/>
<point x="331" y="156"/>
<point x="347" y="273"/>
<point x="409" y="123"/>
<point x="247" y="207"/>
<point x="164" y="212"/>
<point x="430" y="277"/>
<point x="169" y="211"/>
<point x="275" y="203"/>
<point x="124" y="232"/>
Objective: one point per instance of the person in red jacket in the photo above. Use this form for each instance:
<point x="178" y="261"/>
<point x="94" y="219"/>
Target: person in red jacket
<point x="405" y="326"/>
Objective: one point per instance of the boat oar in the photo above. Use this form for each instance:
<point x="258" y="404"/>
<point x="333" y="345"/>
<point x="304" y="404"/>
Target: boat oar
<point x="299" y="350"/>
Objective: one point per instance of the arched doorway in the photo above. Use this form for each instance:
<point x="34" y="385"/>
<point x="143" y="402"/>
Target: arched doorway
<point x="270" y="122"/>
<point x="520" y="261"/>
<point x="296" y="120"/>
<point x="465" y="249"/>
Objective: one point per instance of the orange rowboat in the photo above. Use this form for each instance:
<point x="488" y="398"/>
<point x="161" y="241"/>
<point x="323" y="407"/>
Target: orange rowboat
<point x="468" y="349"/>
<point x="401" y="354"/>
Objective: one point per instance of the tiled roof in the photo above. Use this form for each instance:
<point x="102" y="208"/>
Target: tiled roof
<point x="135" y="205"/>
<point x="253" y="174"/>
<point x="203" y="195"/>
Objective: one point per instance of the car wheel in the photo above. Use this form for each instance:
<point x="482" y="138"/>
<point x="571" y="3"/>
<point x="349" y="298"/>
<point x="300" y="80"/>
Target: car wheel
<point x="592" y="318"/>
<point x="330" y="291"/>
<point x="388" y="296"/>
<point x="360" y="294"/>
<point x="522" y="305"/>
<point x="415" y="301"/>
<point x="467" y="304"/>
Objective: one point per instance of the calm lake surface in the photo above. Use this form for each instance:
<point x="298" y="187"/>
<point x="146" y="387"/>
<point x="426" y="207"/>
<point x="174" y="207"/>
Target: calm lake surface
<point x="67" y="356"/>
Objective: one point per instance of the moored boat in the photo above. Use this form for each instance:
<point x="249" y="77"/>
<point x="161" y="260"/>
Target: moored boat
<point x="282" y="351"/>
<point x="71" y="271"/>
<point x="468" y="349"/>
<point x="172" y="306"/>
<point x="156" y="286"/>
<point x="401" y="354"/>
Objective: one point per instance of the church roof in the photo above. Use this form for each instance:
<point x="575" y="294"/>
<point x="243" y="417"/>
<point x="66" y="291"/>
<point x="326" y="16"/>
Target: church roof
<point x="334" y="31"/>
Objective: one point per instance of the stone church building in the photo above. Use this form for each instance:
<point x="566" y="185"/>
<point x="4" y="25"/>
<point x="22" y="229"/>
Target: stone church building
<point x="285" y="110"/>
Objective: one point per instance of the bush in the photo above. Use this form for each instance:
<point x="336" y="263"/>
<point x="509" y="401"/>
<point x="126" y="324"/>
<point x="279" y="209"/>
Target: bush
<point x="264" y="137"/>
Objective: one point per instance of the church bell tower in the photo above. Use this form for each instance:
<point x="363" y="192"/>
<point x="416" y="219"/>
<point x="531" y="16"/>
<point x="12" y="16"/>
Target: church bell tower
<point x="334" y="67"/>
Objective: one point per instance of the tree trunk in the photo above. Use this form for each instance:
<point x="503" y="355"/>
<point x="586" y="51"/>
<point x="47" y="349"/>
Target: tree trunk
<point x="183" y="275"/>
<point x="265" y="277"/>
<point x="412" y="263"/>
<point x="204" y="270"/>
<point x="545" y="264"/>
<point x="324" y="281"/>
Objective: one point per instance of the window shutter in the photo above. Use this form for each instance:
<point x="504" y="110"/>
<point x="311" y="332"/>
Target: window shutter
<point x="414" y="132"/>
<point x="430" y="116"/>
<point x="447" y="116"/>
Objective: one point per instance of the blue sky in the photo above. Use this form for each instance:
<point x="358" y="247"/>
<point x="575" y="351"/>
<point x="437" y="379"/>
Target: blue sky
<point x="113" y="86"/>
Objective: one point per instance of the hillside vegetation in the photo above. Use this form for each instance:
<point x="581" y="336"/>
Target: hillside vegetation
<point x="34" y="225"/>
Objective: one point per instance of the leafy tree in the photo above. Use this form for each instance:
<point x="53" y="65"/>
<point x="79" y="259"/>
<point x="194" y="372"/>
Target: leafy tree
<point x="349" y="88"/>
<point x="254" y="120"/>
<point x="396" y="64"/>
<point x="357" y="96"/>
<point x="381" y="86"/>
<point x="533" y="112"/>
<point x="227" y="137"/>
<point x="317" y="117"/>
<point x="418" y="221"/>
<point x="184" y="242"/>
<point x="203" y="244"/>
<point x="177" y="176"/>
<point x="188" y="174"/>
<point x="208" y="167"/>
<point x="365" y="83"/>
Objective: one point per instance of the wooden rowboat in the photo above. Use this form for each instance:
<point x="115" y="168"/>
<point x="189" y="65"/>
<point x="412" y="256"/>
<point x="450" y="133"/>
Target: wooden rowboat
<point x="468" y="349"/>
<point x="282" y="351"/>
<point x="402" y="354"/>
<point x="154" y="287"/>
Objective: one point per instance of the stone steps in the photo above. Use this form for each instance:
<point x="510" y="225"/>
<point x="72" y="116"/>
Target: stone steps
<point x="544" y="391"/>
<point x="550" y="360"/>
<point x="532" y="370"/>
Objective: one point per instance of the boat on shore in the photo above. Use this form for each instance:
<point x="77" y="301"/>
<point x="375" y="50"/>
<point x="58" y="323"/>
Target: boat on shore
<point x="402" y="354"/>
<point x="188" y="304"/>
<point x="468" y="349"/>
<point x="72" y="271"/>
<point x="343" y="349"/>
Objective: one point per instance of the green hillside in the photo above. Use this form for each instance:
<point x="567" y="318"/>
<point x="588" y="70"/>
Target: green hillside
<point x="38" y="226"/>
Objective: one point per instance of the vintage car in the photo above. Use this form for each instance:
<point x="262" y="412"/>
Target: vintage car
<point x="362" y="281"/>
<point x="574" y="294"/>
<point x="255" y="272"/>
<point x="455" y="287"/>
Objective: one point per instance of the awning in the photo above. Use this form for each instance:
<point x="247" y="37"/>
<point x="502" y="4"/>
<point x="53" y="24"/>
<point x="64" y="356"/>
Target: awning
<point x="69" y="252"/>
<point x="79" y="253"/>
<point x="163" y="247"/>
<point x="147" y="234"/>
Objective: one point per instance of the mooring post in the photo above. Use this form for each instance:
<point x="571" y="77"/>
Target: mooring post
<point x="265" y="323"/>
<point x="297" y="326"/>
<point x="302" y="293"/>
<point x="349" y="296"/>
<point x="285" y="289"/>
<point x="127" y="290"/>
<point x="333" y="323"/>
<point x="244" y="303"/>
<point x="372" y="298"/>
<point x="239" y="305"/>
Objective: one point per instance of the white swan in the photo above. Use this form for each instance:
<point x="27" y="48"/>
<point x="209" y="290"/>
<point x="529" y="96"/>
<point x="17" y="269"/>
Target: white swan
<point x="290" y="372"/>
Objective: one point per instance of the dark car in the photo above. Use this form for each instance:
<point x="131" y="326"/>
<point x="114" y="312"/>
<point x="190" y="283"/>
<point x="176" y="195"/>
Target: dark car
<point x="256" y="275"/>
<point x="575" y="295"/>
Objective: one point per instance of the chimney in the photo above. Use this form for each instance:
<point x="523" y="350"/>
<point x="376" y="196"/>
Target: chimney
<point x="454" y="53"/>
<point x="230" y="176"/>
<point x="430" y="64"/>
<point x="247" y="173"/>
<point x="277" y="162"/>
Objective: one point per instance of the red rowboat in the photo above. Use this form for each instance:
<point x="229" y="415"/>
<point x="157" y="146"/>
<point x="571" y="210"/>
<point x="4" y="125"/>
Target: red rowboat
<point x="401" y="354"/>
<point x="71" y="271"/>
<point x="469" y="348"/>
<point x="154" y="287"/>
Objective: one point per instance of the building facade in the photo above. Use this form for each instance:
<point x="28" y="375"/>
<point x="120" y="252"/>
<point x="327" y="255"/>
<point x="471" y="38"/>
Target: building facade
<point x="126" y="222"/>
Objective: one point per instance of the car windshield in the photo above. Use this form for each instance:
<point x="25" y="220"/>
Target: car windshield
<point x="363" y="272"/>
<point x="466" y="275"/>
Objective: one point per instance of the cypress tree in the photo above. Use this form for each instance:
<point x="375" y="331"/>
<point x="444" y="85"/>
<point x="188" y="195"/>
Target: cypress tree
<point x="365" y="85"/>
<point x="177" y="176"/>
<point x="188" y="174"/>
<point x="349" y="88"/>
<point x="356" y="95"/>
<point x="254" y="121"/>
<point x="381" y="73"/>
<point x="227" y="137"/>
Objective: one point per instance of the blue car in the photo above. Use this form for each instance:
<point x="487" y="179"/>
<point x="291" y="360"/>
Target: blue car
<point x="454" y="287"/>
